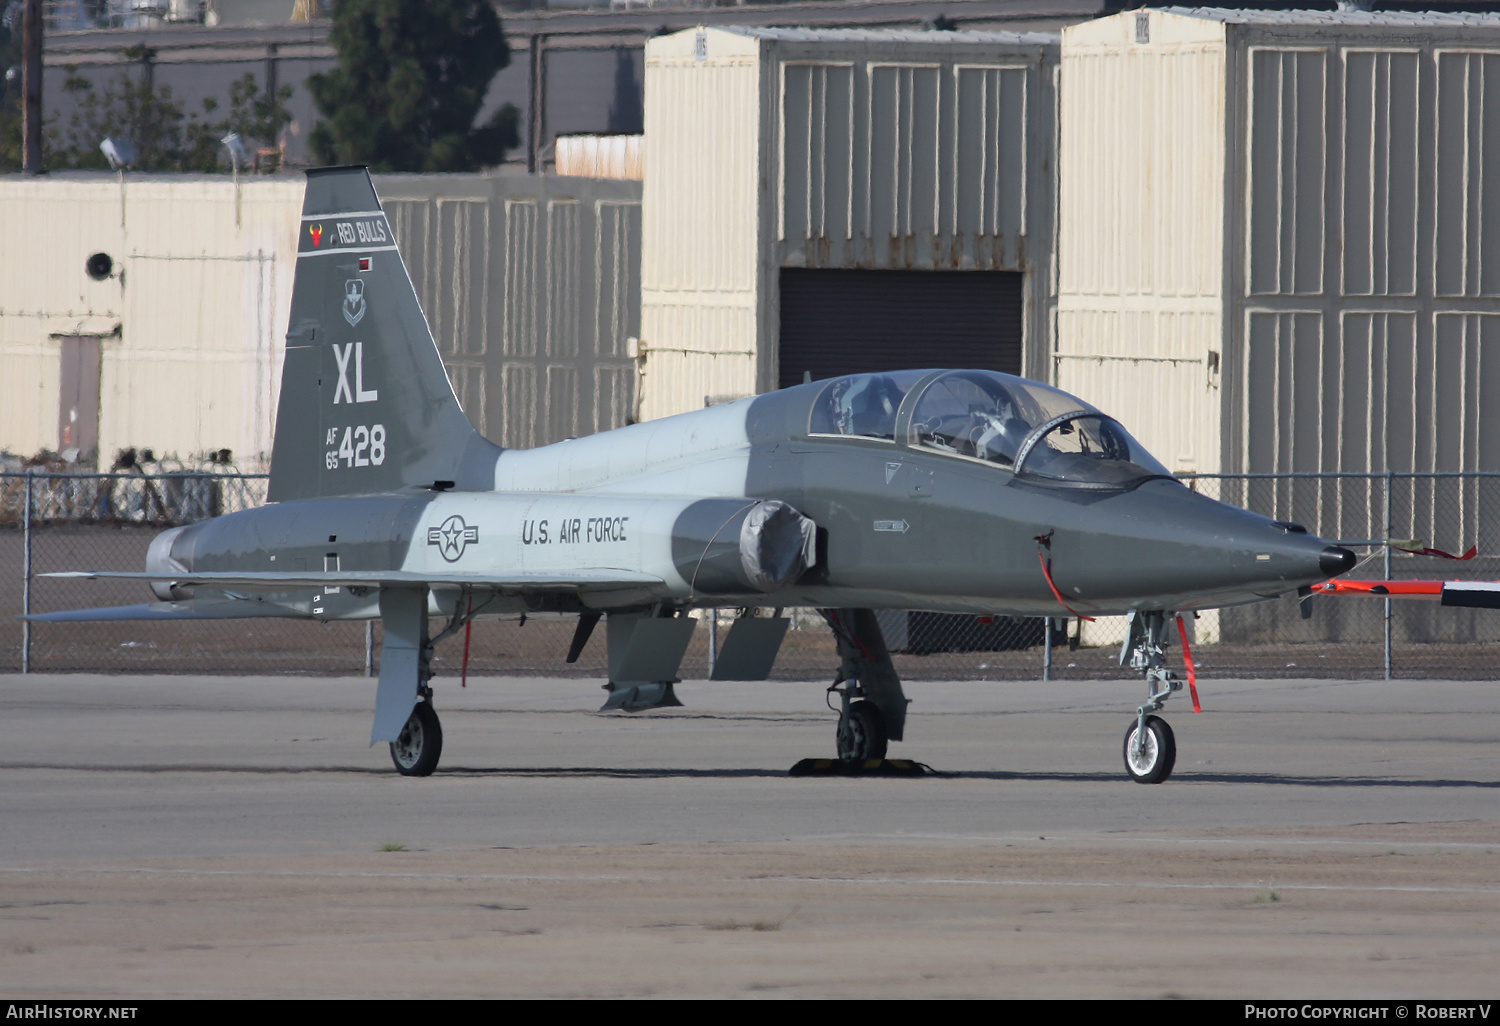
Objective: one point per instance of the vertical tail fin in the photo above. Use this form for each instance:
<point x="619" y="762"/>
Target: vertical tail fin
<point x="366" y="405"/>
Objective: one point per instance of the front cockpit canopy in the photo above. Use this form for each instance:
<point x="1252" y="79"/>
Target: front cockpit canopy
<point x="1036" y="431"/>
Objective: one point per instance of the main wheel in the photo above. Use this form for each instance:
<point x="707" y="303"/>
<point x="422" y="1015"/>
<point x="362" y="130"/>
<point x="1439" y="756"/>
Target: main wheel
<point x="1157" y="755"/>
<point x="861" y="734"/>
<point x="416" y="751"/>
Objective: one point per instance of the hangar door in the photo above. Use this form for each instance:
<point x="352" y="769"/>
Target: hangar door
<point x="845" y="321"/>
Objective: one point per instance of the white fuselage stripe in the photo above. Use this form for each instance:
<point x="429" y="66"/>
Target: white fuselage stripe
<point x="346" y="249"/>
<point x="343" y="213"/>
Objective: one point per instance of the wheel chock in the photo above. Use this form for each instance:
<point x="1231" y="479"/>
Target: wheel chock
<point x="859" y="768"/>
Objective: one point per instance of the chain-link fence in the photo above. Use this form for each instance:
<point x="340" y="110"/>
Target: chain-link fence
<point x="51" y="522"/>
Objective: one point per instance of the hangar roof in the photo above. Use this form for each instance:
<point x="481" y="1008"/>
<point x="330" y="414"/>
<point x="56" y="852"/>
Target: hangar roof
<point x="805" y="35"/>
<point x="1391" y="19"/>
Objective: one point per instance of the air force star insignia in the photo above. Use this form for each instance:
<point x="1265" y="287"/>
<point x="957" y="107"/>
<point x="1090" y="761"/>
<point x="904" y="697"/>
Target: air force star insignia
<point x="452" y="537"/>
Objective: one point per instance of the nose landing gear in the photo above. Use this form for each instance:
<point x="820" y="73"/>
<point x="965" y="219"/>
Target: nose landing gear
<point x="1150" y="746"/>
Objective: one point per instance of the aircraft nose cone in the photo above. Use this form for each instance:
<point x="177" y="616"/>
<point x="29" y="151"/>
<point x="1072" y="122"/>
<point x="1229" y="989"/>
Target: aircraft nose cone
<point x="1337" y="560"/>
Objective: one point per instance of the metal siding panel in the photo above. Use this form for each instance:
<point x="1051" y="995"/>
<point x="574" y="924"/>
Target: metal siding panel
<point x="904" y="169"/>
<point x="700" y="223"/>
<point x="1287" y="139"/>
<point x="1262" y="393"/>
<point x="614" y="391"/>
<point x="817" y="161"/>
<point x="1381" y="105"/>
<point x="990" y="167"/>
<point x="520" y="385"/>
<point x="1449" y="358"/>
<point x="456" y="311"/>
<point x="521" y="278"/>
<point x="618" y="273"/>
<point x="1140" y="249"/>
<point x="1468" y="171"/>
<point x="562" y="254"/>
<point x="563" y="408"/>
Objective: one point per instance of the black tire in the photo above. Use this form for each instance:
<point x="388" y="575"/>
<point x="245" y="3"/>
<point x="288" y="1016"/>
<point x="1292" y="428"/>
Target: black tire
<point x="1159" y="755"/>
<point x="417" y="750"/>
<point x="861" y="735"/>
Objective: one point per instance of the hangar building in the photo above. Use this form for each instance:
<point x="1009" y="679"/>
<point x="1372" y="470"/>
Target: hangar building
<point x="827" y="201"/>
<point x="1285" y="223"/>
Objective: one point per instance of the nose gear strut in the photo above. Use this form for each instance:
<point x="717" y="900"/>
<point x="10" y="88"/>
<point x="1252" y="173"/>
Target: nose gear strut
<point x="1150" y="746"/>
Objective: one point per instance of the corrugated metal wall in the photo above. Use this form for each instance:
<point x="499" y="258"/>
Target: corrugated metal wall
<point x="904" y="166"/>
<point x="1371" y="265"/>
<point x="889" y="151"/>
<point x="531" y="286"/>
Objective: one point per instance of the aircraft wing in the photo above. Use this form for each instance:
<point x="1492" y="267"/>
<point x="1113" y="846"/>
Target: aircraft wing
<point x="196" y="610"/>
<point x="595" y="579"/>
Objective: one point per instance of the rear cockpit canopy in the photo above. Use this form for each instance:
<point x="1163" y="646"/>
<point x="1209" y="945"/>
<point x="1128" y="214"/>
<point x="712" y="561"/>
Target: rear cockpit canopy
<point x="1036" y="431"/>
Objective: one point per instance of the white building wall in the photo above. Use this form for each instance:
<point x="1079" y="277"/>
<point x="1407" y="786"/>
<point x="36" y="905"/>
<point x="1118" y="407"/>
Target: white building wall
<point x="701" y="220"/>
<point x="192" y="323"/>
<point x="1141" y="236"/>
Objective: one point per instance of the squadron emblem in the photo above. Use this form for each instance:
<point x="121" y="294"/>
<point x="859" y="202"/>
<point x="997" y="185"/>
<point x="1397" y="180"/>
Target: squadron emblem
<point x="354" y="301"/>
<point x="452" y="537"/>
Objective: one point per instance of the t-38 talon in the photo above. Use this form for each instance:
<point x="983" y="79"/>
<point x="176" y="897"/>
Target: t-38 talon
<point x="950" y="490"/>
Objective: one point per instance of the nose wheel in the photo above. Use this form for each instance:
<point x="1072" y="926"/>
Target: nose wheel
<point x="1150" y="750"/>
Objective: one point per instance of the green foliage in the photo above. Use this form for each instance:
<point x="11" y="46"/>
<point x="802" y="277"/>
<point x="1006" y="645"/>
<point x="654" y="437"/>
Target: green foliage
<point x="166" y="137"/>
<point x="411" y="77"/>
<point x="11" y="97"/>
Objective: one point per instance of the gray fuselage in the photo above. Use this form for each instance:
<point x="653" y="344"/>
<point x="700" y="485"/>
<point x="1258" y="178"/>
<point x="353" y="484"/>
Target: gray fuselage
<point x="899" y="525"/>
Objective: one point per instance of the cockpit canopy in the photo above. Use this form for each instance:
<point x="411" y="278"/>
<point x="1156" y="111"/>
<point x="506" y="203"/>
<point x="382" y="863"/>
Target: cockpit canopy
<point x="1032" y="429"/>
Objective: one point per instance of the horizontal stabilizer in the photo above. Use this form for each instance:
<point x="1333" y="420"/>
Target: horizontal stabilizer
<point x="594" y="579"/>
<point x="165" y="611"/>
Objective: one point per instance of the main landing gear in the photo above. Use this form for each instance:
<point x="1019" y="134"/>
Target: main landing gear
<point x="861" y="732"/>
<point x="872" y="706"/>
<point x="1150" y="746"/>
<point x="417" y="750"/>
<point x="405" y="672"/>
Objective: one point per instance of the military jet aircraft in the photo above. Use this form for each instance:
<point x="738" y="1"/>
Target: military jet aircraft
<point x="950" y="490"/>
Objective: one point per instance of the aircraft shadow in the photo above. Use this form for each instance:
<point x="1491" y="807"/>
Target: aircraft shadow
<point x="1283" y="779"/>
<point x="761" y="772"/>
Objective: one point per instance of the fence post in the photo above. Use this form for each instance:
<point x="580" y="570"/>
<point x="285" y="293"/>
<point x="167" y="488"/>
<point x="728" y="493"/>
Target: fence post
<point x="369" y="648"/>
<point x="1047" y="649"/>
<point x="26" y="577"/>
<point x="1389" y="479"/>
